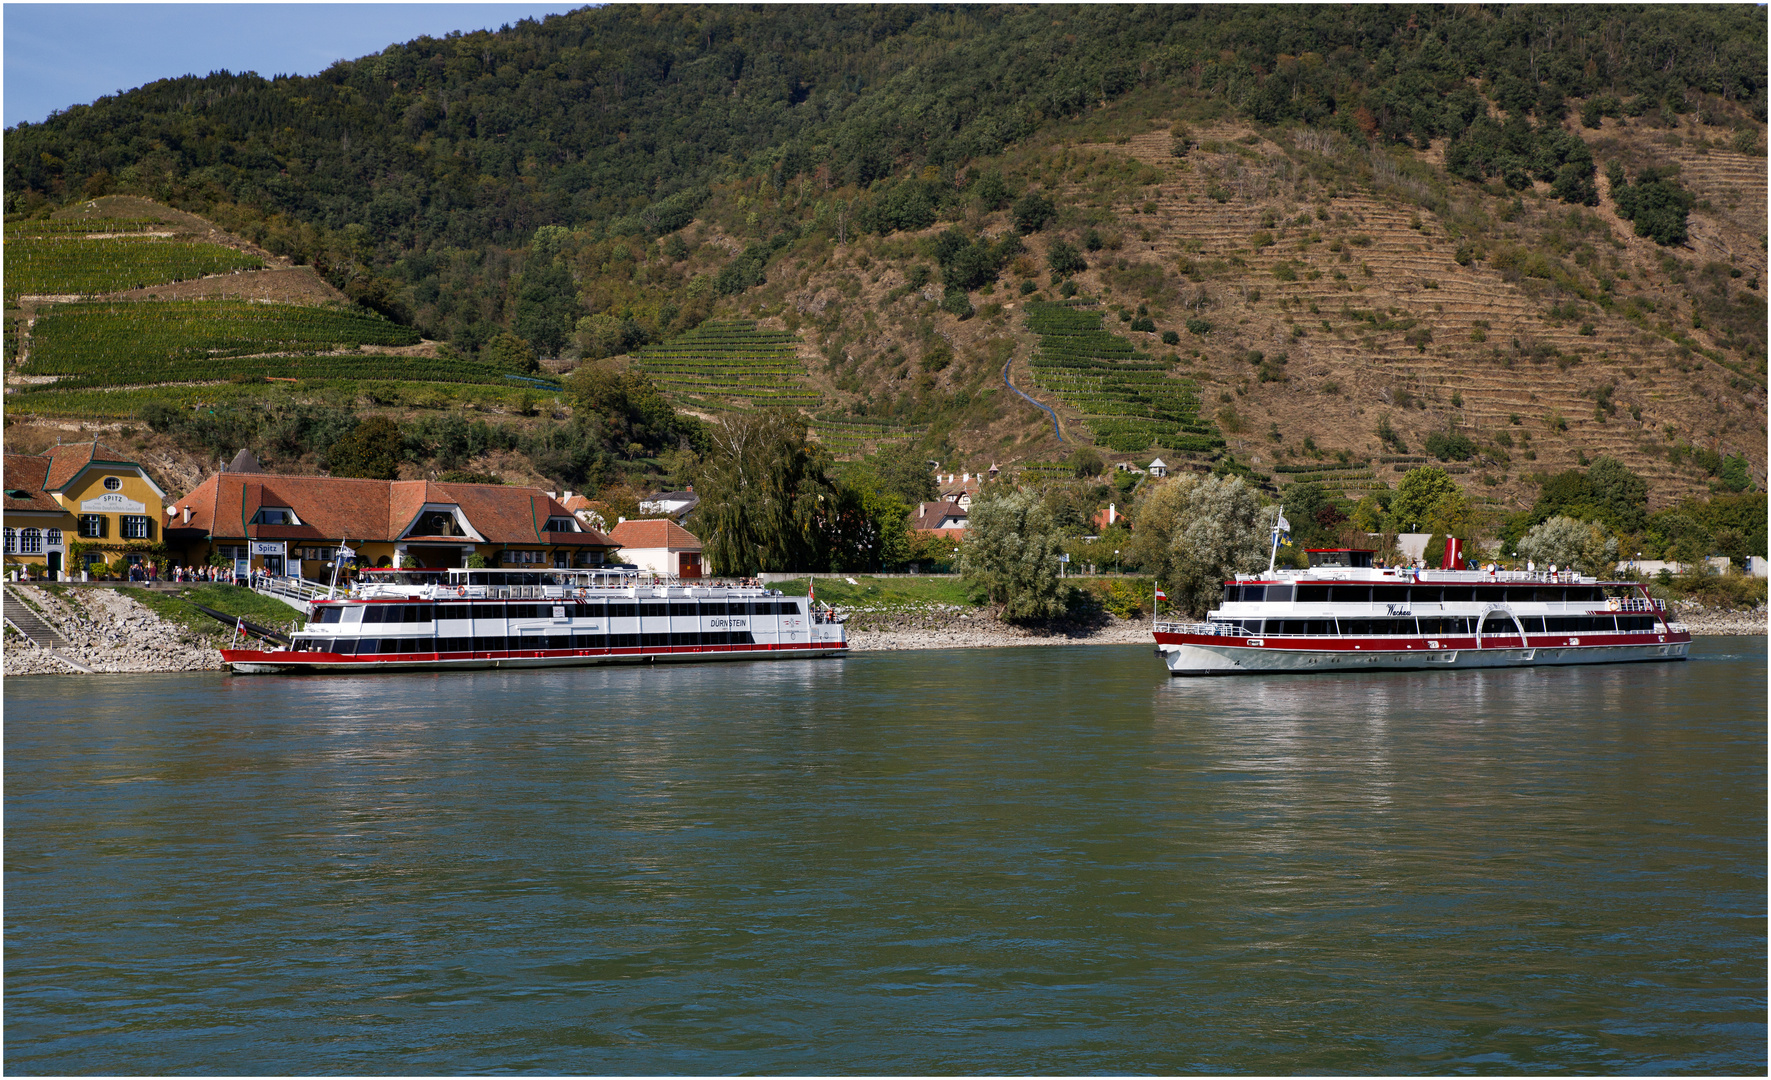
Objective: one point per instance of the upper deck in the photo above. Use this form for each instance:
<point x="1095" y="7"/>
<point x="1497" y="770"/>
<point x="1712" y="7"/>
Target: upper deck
<point x="555" y="584"/>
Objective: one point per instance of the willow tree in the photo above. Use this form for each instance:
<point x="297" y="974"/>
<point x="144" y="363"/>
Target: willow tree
<point x="767" y="502"/>
<point x="1011" y="548"/>
<point x="1193" y="532"/>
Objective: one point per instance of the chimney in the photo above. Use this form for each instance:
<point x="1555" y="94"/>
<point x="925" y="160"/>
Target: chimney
<point x="1112" y="513"/>
<point x="567" y="495"/>
<point x="553" y="494"/>
<point x="187" y="514"/>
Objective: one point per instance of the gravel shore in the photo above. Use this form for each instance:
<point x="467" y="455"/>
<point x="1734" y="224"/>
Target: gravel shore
<point x="970" y="628"/>
<point x="107" y="632"/>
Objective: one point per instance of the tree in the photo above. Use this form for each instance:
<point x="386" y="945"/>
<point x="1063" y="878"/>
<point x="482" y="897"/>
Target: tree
<point x="1564" y="542"/>
<point x="1032" y="211"/>
<point x="547" y="305"/>
<point x="1196" y="531"/>
<point x="1417" y="495"/>
<point x="373" y="451"/>
<point x="512" y="353"/>
<point x="766" y="500"/>
<point x="629" y="407"/>
<point x="1012" y="549"/>
<point x="1064" y="259"/>
<point x="1619" y="495"/>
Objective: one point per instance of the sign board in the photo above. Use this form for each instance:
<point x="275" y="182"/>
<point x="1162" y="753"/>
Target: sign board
<point x="112" y="502"/>
<point x="242" y="567"/>
<point x="269" y="547"/>
<point x="1063" y="558"/>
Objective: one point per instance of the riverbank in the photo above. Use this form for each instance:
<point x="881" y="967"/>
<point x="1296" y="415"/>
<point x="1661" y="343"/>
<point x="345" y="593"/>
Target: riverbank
<point x="975" y="628"/>
<point x="106" y="631"/>
<point x="109" y="631"/>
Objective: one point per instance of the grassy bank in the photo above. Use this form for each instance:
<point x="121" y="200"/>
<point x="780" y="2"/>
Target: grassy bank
<point x="179" y="607"/>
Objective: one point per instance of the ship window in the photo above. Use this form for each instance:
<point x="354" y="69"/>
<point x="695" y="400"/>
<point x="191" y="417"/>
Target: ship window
<point x="1586" y="595"/>
<point x="687" y="609"/>
<point x="1498" y="624"/>
<point x="654" y="641"/>
<point x="1254" y="594"/>
<point x="1533" y="624"/>
<point x="1350" y="594"/>
<point x="1279" y="594"/>
<point x="1422" y="594"/>
<point x="589" y="641"/>
<point x="1458" y="594"/>
<point x="685" y="639"/>
<point x="1312" y="594"/>
<point x="624" y="611"/>
<point x="1389" y="594"/>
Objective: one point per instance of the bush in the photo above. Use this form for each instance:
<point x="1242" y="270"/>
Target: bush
<point x="1197" y="327"/>
<point x="1169" y="337"/>
<point x="955" y="302"/>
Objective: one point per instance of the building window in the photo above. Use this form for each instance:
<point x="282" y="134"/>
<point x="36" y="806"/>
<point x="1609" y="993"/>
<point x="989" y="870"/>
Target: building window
<point x="11" y="541"/>
<point x="436" y="523"/>
<point x="561" y="524"/>
<point x="137" y="527"/>
<point x="315" y="554"/>
<point x="231" y="552"/>
<point x="92" y="526"/>
<point x="525" y="558"/>
<point x="275" y="515"/>
<point x="113" y="483"/>
<point x="30" y="542"/>
<point x="52" y="538"/>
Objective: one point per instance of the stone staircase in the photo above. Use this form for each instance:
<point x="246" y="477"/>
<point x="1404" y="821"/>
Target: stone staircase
<point x="27" y="622"/>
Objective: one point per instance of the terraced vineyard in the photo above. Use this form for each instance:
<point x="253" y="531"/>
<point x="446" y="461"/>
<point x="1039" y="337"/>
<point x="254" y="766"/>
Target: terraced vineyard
<point x="726" y="365"/>
<point x="852" y="436"/>
<point x="59" y="265"/>
<point x="81" y="226"/>
<point x="121" y="344"/>
<point x="1127" y="398"/>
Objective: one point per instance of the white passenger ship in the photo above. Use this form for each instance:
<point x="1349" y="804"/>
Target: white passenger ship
<point x="1343" y="614"/>
<point x="411" y="620"/>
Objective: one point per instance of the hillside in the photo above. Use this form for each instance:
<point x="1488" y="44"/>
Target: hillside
<point x="1296" y="272"/>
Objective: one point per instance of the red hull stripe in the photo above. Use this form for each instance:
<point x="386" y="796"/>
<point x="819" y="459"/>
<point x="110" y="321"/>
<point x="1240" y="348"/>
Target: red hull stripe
<point x="310" y="657"/>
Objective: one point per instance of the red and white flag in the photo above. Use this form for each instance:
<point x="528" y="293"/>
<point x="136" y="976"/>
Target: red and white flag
<point x="1160" y="595"/>
<point x="811" y="589"/>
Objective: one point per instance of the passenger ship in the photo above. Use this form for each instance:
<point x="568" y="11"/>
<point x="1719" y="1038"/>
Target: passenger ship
<point x="1343" y="614"/>
<point x="431" y="620"/>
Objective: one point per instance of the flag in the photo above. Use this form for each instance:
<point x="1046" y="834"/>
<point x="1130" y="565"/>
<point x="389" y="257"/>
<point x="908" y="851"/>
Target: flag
<point x="345" y="552"/>
<point x="1160" y="595"/>
<point x="812" y="590"/>
<point x="1283" y="528"/>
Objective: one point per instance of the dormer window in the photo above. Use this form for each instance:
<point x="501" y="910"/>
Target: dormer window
<point x="275" y="515"/>
<point x="561" y="524"/>
<point x="436" y="523"/>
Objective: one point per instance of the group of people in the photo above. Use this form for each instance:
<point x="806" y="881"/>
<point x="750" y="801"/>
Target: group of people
<point x="223" y="574"/>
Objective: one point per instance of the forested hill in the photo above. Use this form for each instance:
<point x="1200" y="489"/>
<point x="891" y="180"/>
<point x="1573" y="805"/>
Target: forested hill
<point x="381" y="171"/>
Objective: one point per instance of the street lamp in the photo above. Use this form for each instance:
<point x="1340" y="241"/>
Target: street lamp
<point x="1116" y="560"/>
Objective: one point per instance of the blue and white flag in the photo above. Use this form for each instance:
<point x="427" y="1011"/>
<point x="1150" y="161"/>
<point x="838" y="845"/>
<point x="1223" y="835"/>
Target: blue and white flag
<point x="1282" y="529"/>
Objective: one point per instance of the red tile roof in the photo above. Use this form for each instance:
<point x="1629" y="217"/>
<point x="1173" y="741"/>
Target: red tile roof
<point x="341" y="508"/>
<point x="654" y="533"/>
<point x="27" y="473"/>
<point x="67" y="461"/>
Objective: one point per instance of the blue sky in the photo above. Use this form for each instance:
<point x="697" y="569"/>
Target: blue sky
<point x="57" y="55"/>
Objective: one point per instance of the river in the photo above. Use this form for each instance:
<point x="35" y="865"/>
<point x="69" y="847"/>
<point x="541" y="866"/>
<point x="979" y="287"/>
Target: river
<point x="1033" y="860"/>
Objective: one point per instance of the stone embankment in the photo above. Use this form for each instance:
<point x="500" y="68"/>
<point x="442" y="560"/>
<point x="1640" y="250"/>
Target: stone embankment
<point x="106" y="631"/>
<point x="954" y="627"/>
<point x="1717" y="621"/>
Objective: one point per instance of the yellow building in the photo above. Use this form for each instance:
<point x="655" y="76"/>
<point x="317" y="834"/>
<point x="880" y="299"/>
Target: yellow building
<point x="78" y="505"/>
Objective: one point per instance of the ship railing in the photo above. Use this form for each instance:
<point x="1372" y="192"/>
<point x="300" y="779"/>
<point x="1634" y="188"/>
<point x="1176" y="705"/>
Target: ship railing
<point x="293" y="588"/>
<point x="1678" y="628"/>
<point x="1635" y="603"/>
<point x="1212" y="628"/>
